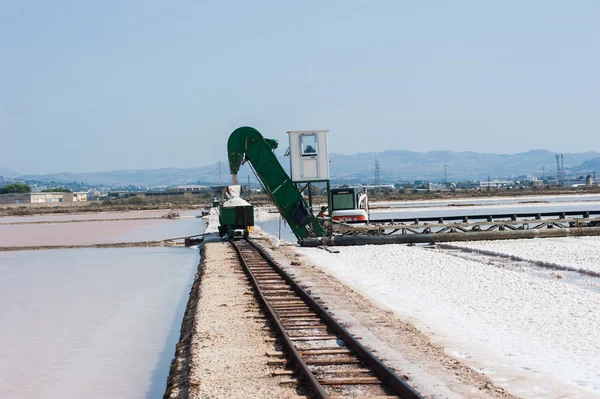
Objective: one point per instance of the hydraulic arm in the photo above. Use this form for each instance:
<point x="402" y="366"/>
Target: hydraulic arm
<point x="247" y="144"/>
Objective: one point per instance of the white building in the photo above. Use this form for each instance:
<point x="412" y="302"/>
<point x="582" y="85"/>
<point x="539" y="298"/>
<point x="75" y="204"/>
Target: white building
<point x="79" y="196"/>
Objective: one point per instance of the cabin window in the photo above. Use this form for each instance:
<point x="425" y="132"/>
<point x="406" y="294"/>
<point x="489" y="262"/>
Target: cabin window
<point x="309" y="144"/>
<point x="343" y="201"/>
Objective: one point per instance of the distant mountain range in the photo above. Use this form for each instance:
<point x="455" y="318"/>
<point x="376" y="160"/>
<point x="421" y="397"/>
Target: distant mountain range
<point x="408" y="165"/>
<point x="138" y="177"/>
<point x="587" y="166"/>
<point x="394" y="166"/>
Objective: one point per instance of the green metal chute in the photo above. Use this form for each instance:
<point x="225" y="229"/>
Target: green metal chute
<point x="247" y="144"/>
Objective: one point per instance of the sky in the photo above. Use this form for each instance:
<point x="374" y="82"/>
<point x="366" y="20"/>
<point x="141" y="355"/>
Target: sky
<point x="104" y="85"/>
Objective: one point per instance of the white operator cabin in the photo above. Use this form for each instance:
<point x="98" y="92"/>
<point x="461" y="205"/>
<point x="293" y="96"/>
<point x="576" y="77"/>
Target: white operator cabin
<point x="309" y="160"/>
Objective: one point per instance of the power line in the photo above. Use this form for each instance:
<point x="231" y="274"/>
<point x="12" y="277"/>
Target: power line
<point x="560" y="169"/>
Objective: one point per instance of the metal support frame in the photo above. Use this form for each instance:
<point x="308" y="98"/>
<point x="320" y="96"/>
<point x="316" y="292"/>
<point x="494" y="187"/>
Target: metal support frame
<point x="438" y="228"/>
<point x="477" y="223"/>
<point x="301" y="186"/>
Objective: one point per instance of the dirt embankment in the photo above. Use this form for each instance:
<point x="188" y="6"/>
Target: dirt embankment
<point x="82" y="220"/>
<point x="94" y="207"/>
<point x="156" y="243"/>
<point x="178" y="382"/>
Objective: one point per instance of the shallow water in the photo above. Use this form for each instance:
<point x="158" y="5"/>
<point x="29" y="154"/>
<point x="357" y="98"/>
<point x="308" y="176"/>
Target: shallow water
<point x="273" y="227"/>
<point x="93" y="323"/>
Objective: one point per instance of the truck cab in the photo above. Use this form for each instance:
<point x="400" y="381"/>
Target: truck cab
<point x="349" y="205"/>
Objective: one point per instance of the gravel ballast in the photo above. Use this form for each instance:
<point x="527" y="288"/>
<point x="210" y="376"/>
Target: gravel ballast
<point x="228" y="351"/>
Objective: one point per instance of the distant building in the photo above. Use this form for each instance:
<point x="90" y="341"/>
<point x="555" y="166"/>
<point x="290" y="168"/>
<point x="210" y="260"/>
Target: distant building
<point x="469" y="184"/>
<point x="178" y="191"/>
<point x="532" y="181"/>
<point x="120" y="194"/>
<point x="380" y="187"/>
<point x="537" y="183"/>
<point x="35" y="198"/>
<point x="438" y="187"/>
<point x="187" y="187"/>
<point x="496" y="183"/>
<point x="80" y="196"/>
<point x="589" y="180"/>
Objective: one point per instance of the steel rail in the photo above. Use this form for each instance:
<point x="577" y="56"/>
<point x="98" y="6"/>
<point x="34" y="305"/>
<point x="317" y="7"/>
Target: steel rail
<point x="387" y="376"/>
<point x="287" y="342"/>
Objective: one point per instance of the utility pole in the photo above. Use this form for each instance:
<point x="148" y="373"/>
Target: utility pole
<point x="446" y="175"/>
<point x="562" y="169"/>
<point x="543" y="173"/>
<point x="489" y="187"/>
<point x="248" y="186"/>
<point x="377" y="172"/>
<point x="558" y="174"/>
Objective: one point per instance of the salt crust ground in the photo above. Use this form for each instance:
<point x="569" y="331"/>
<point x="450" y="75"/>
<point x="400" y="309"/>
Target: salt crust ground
<point x="576" y="252"/>
<point x="534" y="337"/>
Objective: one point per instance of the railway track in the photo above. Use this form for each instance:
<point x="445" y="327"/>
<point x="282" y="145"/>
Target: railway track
<point x="327" y="358"/>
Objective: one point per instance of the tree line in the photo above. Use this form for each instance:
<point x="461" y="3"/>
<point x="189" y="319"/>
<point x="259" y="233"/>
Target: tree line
<point x="19" y="188"/>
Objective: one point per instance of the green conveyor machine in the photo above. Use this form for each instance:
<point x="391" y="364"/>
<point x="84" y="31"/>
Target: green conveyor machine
<point x="246" y="144"/>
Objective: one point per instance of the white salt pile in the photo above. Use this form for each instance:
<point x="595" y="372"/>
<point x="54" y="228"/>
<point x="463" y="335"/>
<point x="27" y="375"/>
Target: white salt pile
<point x="237" y="201"/>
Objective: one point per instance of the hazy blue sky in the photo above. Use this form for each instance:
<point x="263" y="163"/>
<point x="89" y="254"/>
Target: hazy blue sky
<point x="101" y="85"/>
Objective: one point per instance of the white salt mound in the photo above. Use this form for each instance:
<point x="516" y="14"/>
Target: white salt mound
<point x="237" y="201"/>
<point x="233" y="191"/>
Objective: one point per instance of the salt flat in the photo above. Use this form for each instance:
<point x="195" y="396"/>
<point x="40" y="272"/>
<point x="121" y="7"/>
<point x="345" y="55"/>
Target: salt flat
<point x="573" y="252"/>
<point x="535" y="337"/>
